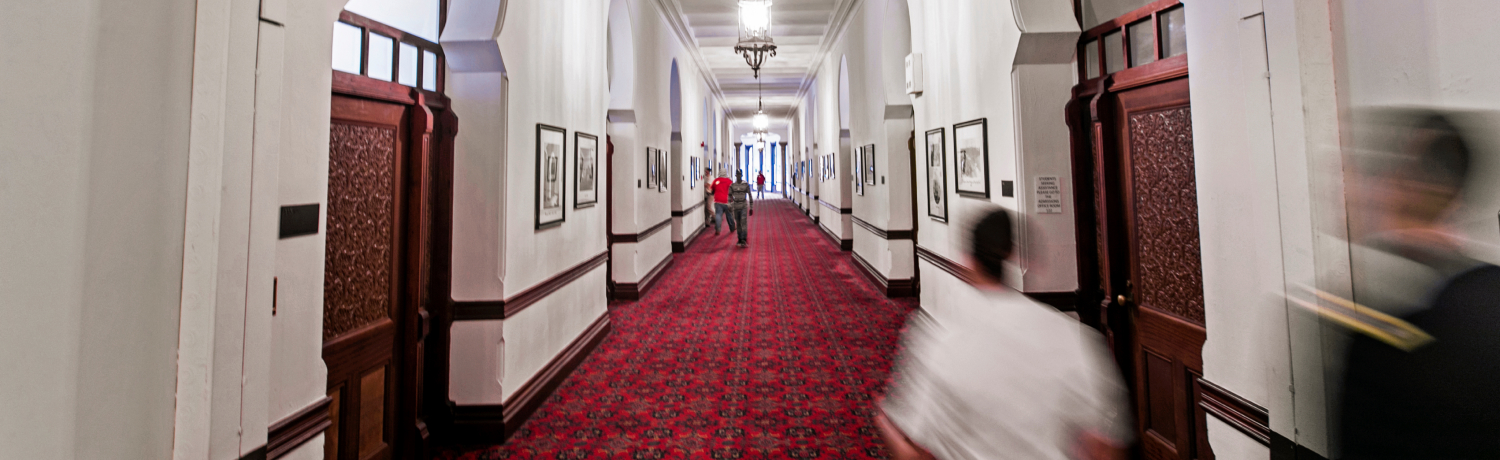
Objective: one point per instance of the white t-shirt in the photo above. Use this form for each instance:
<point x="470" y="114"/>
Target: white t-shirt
<point x="1006" y="378"/>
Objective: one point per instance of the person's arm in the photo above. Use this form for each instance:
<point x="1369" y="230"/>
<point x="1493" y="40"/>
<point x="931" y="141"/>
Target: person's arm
<point x="902" y="447"/>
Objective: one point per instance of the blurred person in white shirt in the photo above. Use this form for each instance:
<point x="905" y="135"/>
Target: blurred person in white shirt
<point x="1003" y="377"/>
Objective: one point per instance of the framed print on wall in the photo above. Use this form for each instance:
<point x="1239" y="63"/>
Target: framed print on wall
<point x="651" y="174"/>
<point x="693" y="173"/>
<point x="937" y="175"/>
<point x="858" y="175"/>
<point x="661" y="171"/>
<point x="972" y="168"/>
<point x="550" y="144"/>
<point x="869" y="163"/>
<point x="585" y="170"/>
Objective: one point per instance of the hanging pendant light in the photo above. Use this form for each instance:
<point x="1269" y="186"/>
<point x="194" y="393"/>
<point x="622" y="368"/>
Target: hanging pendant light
<point x="755" y="42"/>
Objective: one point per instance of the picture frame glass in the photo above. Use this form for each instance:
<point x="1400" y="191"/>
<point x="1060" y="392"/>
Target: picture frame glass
<point x="869" y="163"/>
<point x="937" y="175"/>
<point x="551" y="181"/>
<point x="586" y="170"/>
<point x="971" y="159"/>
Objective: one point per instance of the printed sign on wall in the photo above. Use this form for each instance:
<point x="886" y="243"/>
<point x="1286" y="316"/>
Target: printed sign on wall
<point x="1048" y="195"/>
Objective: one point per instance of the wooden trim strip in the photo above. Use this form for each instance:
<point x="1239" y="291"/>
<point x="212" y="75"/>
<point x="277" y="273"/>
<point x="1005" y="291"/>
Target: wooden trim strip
<point x="943" y="263"/>
<point x="540" y="291"/>
<point x="639" y="237"/>
<point x="1062" y="300"/>
<point x="889" y="287"/>
<point x="843" y="244"/>
<point x="688" y="210"/>
<point x="288" y="433"/>
<point x="476" y="310"/>
<point x="681" y="246"/>
<point x="1238" y="412"/>
<point x="836" y="208"/>
<point x="532" y="394"/>
<point x="634" y="291"/>
<point x="885" y="234"/>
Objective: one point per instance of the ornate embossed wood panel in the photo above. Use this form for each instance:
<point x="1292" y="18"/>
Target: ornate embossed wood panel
<point x="358" y="287"/>
<point x="1170" y="272"/>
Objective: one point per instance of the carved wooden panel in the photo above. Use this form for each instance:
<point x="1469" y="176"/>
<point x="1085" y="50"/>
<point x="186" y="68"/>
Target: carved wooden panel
<point x="361" y="219"/>
<point x="372" y="413"/>
<point x="1166" y="213"/>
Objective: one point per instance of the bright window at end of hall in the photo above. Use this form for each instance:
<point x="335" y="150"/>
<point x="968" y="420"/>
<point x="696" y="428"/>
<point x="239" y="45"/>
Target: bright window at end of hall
<point x="416" y="17"/>
<point x="382" y="52"/>
<point x="348" y="47"/>
<point x="429" y="70"/>
<point x="1173" y="32"/>
<point x="408" y="63"/>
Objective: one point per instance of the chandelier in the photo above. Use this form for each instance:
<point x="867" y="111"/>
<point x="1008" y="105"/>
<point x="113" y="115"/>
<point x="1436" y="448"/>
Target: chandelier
<point x="755" y="33"/>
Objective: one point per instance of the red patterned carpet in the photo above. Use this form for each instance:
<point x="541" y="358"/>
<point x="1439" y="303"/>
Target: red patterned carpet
<point x="775" y="351"/>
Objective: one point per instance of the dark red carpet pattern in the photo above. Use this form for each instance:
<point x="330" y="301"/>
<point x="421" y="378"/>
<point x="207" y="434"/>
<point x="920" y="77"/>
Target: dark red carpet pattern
<point x="775" y="351"/>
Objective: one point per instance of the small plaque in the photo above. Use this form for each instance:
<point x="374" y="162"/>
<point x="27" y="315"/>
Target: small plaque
<point x="299" y="220"/>
<point x="1048" y="195"/>
<point x="1008" y="188"/>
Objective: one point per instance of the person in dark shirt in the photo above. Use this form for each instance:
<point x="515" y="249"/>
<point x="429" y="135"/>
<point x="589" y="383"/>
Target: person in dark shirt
<point x="741" y="203"/>
<point x="1434" y="398"/>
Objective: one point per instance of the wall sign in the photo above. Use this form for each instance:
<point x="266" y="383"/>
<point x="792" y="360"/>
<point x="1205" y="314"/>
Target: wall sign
<point x="914" y="73"/>
<point x="1048" y="195"/>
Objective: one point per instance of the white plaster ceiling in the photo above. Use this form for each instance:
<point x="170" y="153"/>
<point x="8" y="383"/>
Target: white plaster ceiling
<point x="800" y="29"/>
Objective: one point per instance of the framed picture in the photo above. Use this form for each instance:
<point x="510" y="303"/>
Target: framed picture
<point x="937" y="175"/>
<point x="650" y="168"/>
<point x="550" y="176"/>
<point x="585" y="170"/>
<point x="662" y="171"/>
<point x="693" y="173"/>
<point x="972" y="168"/>
<point x="859" y="167"/>
<point x="869" y="163"/>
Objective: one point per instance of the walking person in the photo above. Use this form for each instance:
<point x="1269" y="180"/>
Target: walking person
<point x="708" y="197"/>
<point x="1004" y="377"/>
<point x="760" y="184"/>
<point x="720" y="189"/>
<point x="741" y="202"/>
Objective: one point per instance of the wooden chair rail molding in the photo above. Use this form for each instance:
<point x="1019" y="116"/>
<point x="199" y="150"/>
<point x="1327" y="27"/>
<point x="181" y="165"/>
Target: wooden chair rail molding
<point x="836" y="208"/>
<point x="287" y="434"/>
<point x="1063" y="301"/>
<point x="501" y="309"/>
<point x="1236" y="411"/>
<point x="638" y="237"/>
<point x="688" y="210"/>
<point x="883" y="233"/>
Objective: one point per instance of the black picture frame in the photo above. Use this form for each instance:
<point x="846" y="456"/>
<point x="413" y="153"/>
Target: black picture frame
<point x="858" y="175"/>
<point x="971" y="169"/>
<point x="651" y="175"/>
<point x="936" y="164"/>
<point x="663" y="171"/>
<point x="693" y="173"/>
<point x="585" y="170"/>
<point x="869" y="152"/>
<point x="551" y="176"/>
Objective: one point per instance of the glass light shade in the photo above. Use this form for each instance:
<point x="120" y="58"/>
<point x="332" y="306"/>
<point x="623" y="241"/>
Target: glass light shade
<point x="760" y="145"/>
<point x="761" y="121"/>
<point x="755" y="16"/>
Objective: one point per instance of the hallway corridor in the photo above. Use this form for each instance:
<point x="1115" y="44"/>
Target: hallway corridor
<point x="775" y="351"/>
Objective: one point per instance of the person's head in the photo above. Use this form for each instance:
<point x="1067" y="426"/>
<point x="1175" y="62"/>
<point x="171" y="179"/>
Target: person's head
<point x="990" y="243"/>
<point x="724" y="174"/>
<point x="708" y="171"/>
<point x="1419" y="176"/>
<point x="739" y="174"/>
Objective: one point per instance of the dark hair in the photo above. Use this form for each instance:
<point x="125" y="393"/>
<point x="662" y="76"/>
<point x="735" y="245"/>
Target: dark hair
<point x="991" y="242"/>
<point x="1444" y="157"/>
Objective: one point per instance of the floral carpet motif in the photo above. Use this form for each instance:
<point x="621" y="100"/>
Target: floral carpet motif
<point x="774" y="351"/>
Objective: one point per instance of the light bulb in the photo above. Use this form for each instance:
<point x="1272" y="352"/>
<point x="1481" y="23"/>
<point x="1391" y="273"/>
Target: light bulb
<point x="755" y="15"/>
<point x="761" y="121"/>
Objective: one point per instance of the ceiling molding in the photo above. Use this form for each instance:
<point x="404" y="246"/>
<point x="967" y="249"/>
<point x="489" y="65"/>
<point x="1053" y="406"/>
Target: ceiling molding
<point x="671" y="10"/>
<point x="842" y="14"/>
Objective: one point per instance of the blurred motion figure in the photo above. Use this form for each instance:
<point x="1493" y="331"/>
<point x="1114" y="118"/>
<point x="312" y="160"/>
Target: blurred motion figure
<point x="1434" y="398"/>
<point x="1007" y="378"/>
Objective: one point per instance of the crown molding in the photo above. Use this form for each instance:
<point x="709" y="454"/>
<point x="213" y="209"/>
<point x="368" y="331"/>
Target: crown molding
<point x="672" y="13"/>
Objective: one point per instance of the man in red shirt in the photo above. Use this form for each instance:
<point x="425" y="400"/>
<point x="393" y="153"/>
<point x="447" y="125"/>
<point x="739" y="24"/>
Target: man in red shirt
<point x="760" y="184"/>
<point x="721" y="201"/>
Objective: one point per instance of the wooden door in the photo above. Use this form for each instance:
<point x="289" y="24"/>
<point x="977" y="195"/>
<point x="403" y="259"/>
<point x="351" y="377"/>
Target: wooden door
<point x="1139" y="259"/>
<point x="1164" y="280"/>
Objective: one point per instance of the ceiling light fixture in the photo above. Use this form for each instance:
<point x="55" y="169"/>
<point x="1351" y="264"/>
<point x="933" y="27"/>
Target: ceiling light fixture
<point x="755" y="33"/>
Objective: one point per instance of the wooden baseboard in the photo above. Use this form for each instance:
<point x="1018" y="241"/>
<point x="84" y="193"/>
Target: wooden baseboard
<point x="681" y="246"/>
<point x="843" y="244"/>
<point x="891" y="288"/>
<point x="540" y="387"/>
<point x="634" y="291"/>
<point x="291" y="432"/>
<point x="477" y="424"/>
<point x="1062" y="301"/>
